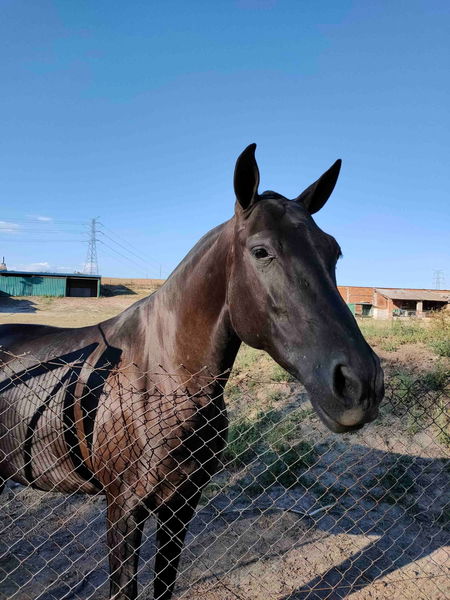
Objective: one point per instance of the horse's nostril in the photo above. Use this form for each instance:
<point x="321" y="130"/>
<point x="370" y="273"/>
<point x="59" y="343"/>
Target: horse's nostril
<point x="338" y="381"/>
<point x="345" y="385"/>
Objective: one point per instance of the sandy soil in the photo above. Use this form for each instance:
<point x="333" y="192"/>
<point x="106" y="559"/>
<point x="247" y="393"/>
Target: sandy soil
<point x="356" y="540"/>
<point x="64" y="312"/>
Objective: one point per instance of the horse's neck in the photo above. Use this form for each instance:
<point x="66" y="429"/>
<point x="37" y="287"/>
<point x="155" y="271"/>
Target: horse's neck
<point x="188" y="317"/>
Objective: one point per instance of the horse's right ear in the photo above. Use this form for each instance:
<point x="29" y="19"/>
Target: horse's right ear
<point x="246" y="177"/>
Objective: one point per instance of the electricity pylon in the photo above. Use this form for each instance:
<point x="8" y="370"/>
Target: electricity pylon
<point x="91" y="264"/>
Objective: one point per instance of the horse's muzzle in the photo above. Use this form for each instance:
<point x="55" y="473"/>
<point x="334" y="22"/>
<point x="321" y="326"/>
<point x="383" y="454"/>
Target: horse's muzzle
<point x="353" y="399"/>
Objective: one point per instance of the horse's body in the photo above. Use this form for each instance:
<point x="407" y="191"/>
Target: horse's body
<point x="133" y="407"/>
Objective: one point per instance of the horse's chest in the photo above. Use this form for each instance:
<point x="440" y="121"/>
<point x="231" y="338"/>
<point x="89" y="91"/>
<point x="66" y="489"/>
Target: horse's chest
<point x="162" y="443"/>
<point x="194" y="455"/>
<point x="201" y="438"/>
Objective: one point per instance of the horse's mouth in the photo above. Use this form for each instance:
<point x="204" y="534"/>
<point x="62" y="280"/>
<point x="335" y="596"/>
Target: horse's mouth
<point x="337" y="427"/>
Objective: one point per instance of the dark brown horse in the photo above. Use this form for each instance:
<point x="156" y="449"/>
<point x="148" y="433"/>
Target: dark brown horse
<point x="133" y="407"/>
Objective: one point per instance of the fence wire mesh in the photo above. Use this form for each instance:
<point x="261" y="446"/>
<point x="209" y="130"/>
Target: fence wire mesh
<point x="292" y="511"/>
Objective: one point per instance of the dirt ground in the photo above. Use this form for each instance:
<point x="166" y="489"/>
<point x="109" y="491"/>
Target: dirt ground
<point x="336" y="533"/>
<point x="64" y="312"/>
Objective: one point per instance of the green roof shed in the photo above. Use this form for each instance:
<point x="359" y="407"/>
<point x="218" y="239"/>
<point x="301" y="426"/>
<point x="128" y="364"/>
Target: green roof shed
<point x="18" y="283"/>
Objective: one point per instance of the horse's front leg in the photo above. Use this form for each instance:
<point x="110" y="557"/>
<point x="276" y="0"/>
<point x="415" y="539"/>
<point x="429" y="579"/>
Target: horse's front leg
<point x="173" y="521"/>
<point x="125" y="523"/>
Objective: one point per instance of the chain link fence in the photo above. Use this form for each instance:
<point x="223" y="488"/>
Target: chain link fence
<point x="292" y="511"/>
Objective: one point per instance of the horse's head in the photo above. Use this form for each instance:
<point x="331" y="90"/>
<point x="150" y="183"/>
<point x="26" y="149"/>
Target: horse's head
<point x="283" y="298"/>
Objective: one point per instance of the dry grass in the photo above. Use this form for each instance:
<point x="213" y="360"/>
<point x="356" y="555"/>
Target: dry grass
<point x="390" y="335"/>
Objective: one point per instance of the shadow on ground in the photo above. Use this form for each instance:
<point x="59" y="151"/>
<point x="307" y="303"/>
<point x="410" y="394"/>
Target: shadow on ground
<point x="410" y="522"/>
<point x="233" y="535"/>
<point x="116" y="290"/>
<point x="9" y="304"/>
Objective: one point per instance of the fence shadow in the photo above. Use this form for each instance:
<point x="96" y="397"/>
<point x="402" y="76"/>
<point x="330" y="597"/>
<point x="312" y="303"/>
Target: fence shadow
<point x="409" y="521"/>
<point x="408" y="530"/>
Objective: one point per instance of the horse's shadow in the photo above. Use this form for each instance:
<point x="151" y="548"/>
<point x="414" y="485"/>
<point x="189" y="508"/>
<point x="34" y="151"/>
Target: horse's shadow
<point x="398" y="498"/>
<point x="406" y="533"/>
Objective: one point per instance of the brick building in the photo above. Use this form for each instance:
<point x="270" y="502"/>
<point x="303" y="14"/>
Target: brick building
<point x="386" y="303"/>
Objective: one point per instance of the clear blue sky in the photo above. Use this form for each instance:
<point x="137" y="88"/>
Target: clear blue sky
<point x="136" y="111"/>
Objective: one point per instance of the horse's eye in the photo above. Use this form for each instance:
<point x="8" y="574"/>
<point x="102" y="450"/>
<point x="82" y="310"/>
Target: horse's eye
<point x="260" y="253"/>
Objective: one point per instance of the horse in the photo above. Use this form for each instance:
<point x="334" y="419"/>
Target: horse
<point x="133" y="407"/>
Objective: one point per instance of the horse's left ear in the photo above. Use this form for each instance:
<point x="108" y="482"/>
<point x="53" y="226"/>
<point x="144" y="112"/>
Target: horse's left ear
<point x="246" y="177"/>
<point x="315" y="196"/>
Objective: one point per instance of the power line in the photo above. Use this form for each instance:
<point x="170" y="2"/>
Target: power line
<point x="50" y="221"/>
<point x="45" y="226"/>
<point x="38" y="227"/>
<point x="122" y="246"/>
<point x="147" y="259"/>
<point x="35" y="230"/>
<point x="17" y="232"/>
<point x="123" y="256"/>
<point x="140" y="271"/>
<point x="40" y="240"/>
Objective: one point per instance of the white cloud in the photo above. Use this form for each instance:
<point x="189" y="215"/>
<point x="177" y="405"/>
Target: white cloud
<point x="40" y="218"/>
<point x="8" y="227"/>
<point x="39" y="267"/>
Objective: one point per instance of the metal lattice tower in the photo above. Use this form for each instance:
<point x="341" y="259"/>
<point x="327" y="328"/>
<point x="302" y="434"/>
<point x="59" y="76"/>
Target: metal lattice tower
<point x="438" y="279"/>
<point x="91" y="264"/>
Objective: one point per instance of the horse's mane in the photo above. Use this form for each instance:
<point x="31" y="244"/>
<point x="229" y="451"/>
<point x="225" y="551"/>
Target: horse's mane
<point x="202" y="246"/>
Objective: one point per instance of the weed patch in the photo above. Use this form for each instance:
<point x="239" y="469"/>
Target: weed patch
<point x="276" y="396"/>
<point x="395" y="483"/>
<point x="279" y="374"/>
<point x="246" y="437"/>
<point x="286" y="468"/>
<point x="389" y="346"/>
<point x="441" y="347"/>
<point x="279" y="438"/>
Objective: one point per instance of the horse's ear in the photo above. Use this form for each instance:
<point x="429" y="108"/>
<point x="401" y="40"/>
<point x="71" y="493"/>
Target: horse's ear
<point x="315" y="196"/>
<point x="246" y="177"/>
